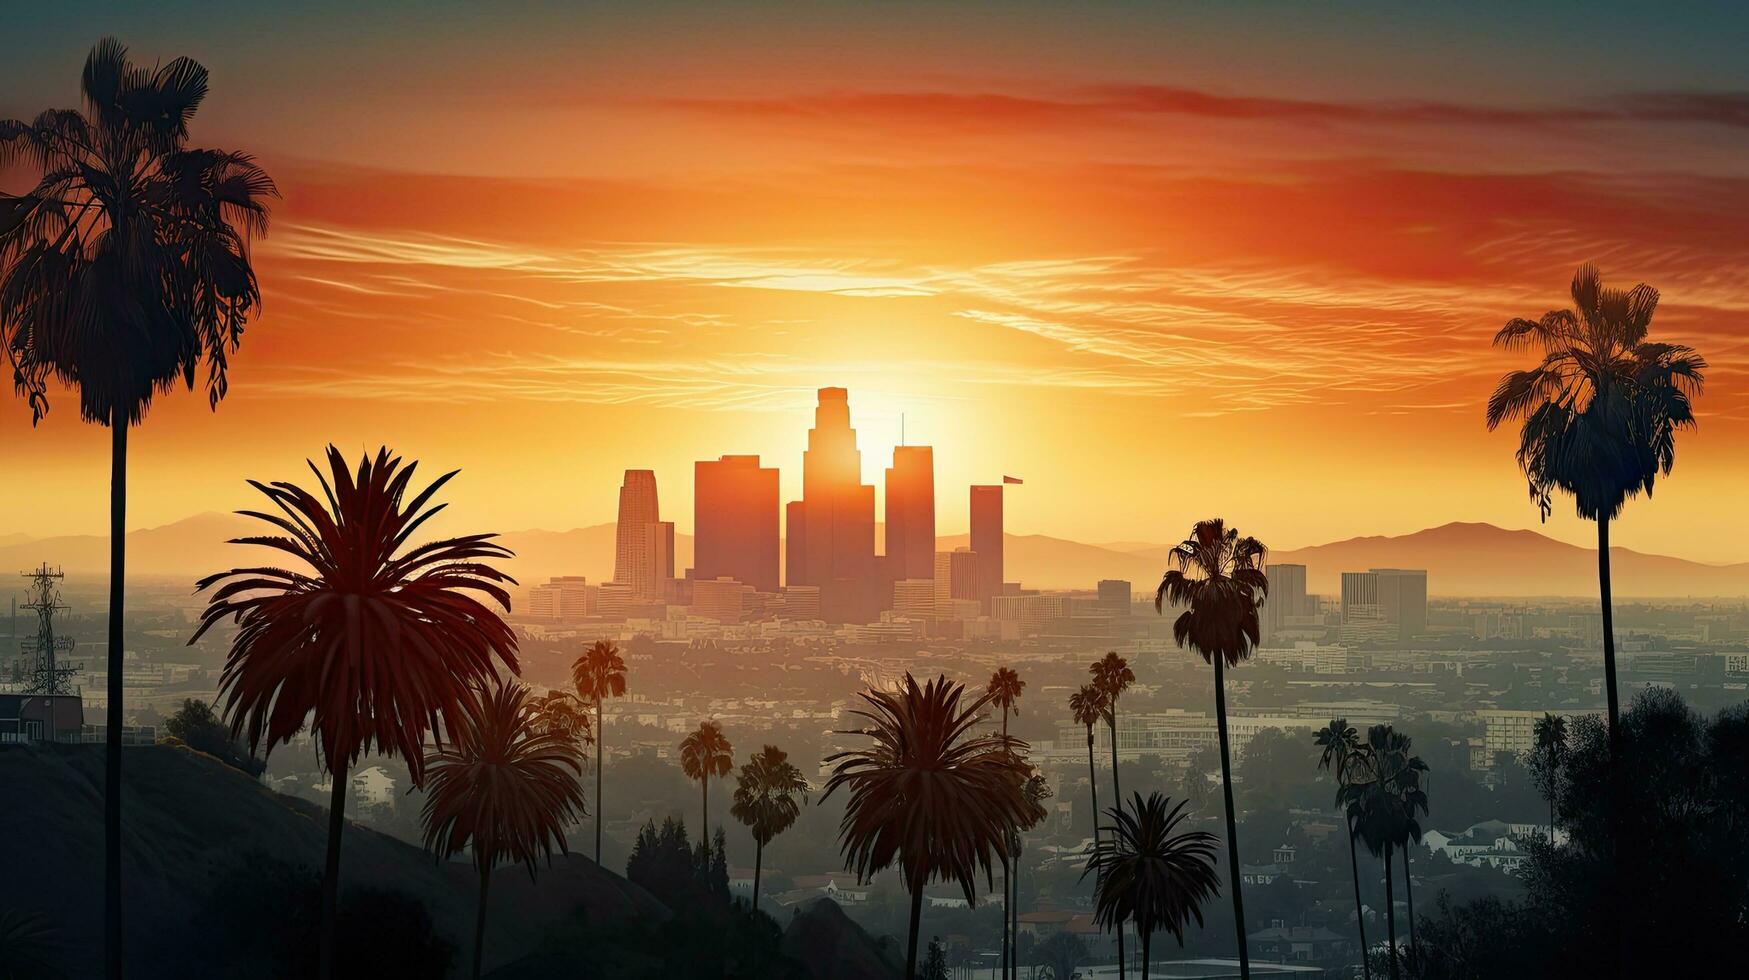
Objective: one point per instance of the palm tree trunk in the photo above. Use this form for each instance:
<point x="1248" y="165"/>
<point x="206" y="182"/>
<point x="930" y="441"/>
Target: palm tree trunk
<point x="599" y="738"/>
<point x="1615" y="764"/>
<point x="480" y="920"/>
<point x="911" y="942"/>
<point x="1145" y="937"/>
<point x="331" y="873"/>
<point x="1359" y="907"/>
<point x="704" y="833"/>
<point x="1232" y="822"/>
<point x="1391" y="913"/>
<point x="1007" y="865"/>
<point x="1409" y="893"/>
<point x="118" y="509"/>
<point x="1117" y="801"/>
<point x="1014" y="914"/>
<point x="758" y="862"/>
<point x="1093" y="784"/>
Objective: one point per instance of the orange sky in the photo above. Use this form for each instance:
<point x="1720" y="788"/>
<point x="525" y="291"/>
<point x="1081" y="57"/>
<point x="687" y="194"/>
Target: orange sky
<point x="1156" y="285"/>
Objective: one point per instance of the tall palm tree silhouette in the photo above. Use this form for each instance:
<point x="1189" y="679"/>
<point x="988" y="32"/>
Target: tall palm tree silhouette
<point x="1383" y="793"/>
<point x="1151" y="873"/>
<point x="766" y="792"/>
<point x="1550" y="732"/>
<point x="926" y="792"/>
<point x="1340" y="743"/>
<point x="1218" y="576"/>
<point x="599" y="674"/>
<point x="373" y="645"/>
<point x="1004" y="690"/>
<point x="504" y="786"/>
<point x="705" y="753"/>
<point x="122" y="271"/>
<point x="1112" y="675"/>
<point x="1088" y="705"/>
<point x="1600" y="414"/>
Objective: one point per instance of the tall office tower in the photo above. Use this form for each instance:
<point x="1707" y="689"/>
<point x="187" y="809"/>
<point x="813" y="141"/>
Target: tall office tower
<point x="636" y="557"/>
<point x="1115" y="596"/>
<point x="914" y="598"/>
<point x="987" y="539"/>
<point x="831" y="528"/>
<point x="1286" y="599"/>
<point x="1403" y="599"/>
<point x="959" y="574"/>
<point x="911" y="513"/>
<point x="1360" y="598"/>
<point x="734" y="520"/>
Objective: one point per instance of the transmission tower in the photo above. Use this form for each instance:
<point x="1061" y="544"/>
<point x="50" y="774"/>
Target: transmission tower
<point x="47" y="673"/>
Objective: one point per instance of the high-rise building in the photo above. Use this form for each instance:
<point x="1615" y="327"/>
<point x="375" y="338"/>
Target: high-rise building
<point x="1360" y="598"/>
<point x="1115" y="596"/>
<point x="735" y="521"/>
<point x="959" y="574"/>
<point x="637" y="557"/>
<point x="1403" y="599"/>
<point x="914" y="598"/>
<point x="1286" y="599"/>
<point x="722" y="599"/>
<point x="986" y="502"/>
<point x="562" y="597"/>
<point x="911" y="513"/>
<point x="831" y="529"/>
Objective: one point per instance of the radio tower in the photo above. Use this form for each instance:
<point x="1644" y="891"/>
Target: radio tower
<point x="42" y="652"/>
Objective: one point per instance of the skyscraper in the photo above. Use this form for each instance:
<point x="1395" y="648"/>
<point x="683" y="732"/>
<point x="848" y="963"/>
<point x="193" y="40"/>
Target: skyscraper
<point x="958" y="575"/>
<point x="735" y="521"/>
<point x="638" y="557"/>
<point x="986" y="540"/>
<point x="1403" y="599"/>
<point x="1360" y="598"/>
<point x="831" y="529"/>
<point x="1286" y="599"/>
<point x="1115" y="596"/>
<point x="911" y="513"/>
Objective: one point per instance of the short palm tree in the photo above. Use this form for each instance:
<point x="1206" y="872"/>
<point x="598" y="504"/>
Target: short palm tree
<point x="370" y="647"/>
<point x="1218" y="577"/>
<point x="1600" y="414"/>
<point x="1340" y="743"/>
<point x="1112" y="675"/>
<point x="1550" y="757"/>
<point x="1382" y="797"/>
<point x="123" y="271"/>
<point x="926" y="792"/>
<point x="505" y="786"/>
<point x="1004" y="690"/>
<point x="767" y="789"/>
<point x="704" y="753"/>
<point x="598" y="674"/>
<point x="1151" y="873"/>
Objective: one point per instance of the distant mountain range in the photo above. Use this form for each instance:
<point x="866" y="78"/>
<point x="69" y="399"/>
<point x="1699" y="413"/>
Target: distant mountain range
<point x="1461" y="559"/>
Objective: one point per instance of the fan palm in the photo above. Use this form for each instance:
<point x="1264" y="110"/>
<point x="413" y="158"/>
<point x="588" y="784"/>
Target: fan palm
<point x="1088" y="705"/>
<point x="1382" y="796"/>
<point x="505" y="787"/>
<point x="1004" y="689"/>
<point x="122" y="271"/>
<point x="1112" y="675"/>
<point x="1151" y="873"/>
<point x="1600" y="414"/>
<point x="705" y="753"/>
<point x="373" y="645"/>
<point x="926" y="792"/>
<point x="598" y="674"/>
<point x="1340" y="743"/>
<point x="766" y="789"/>
<point x="1550" y="733"/>
<point x="1218" y="576"/>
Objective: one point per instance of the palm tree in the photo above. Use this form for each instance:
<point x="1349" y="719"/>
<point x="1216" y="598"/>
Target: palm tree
<point x="598" y="674"/>
<point x="1600" y="414"/>
<point x="1550" y="732"/>
<point x="505" y="786"/>
<point x="1383" y="793"/>
<point x="1219" y="576"/>
<point x="1037" y="790"/>
<point x="1112" y="675"/>
<point x="926" y="792"/>
<point x="1151" y="873"/>
<point x="1088" y="705"/>
<point x="370" y="647"/>
<point x="121" y="272"/>
<point x="1004" y="689"/>
<point x="1340" y="742"/>
<point x="703" y="754"/>
<point x="765" y="801"/>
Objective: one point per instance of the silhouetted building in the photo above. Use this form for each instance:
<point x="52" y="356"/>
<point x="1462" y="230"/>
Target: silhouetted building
<point x="1286" y="599"/>
<point x="911" y="513"/>
<point x="831" y="529"/>
<point x="986" y="502"/>
<point x="735" y="521"/>
<point x="41" y="717"/>
<point x="1360" y="598"/>
<point x="643" y="547"/>
<point x="959" y="574"/>
<point x="1115" y="596"/>
<point x="1402" y="596"/>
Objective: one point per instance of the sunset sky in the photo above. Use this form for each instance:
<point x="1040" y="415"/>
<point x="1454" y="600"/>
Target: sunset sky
<point x="1161" y="261"/>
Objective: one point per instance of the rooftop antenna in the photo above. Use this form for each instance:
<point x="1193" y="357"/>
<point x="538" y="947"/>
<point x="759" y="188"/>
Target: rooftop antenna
<point x="47" y="673"/>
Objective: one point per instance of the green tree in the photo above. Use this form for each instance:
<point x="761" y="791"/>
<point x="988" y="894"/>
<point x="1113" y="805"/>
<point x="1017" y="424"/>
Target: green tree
<point x="370" y="648"/>
<point x="198" y="727"/>
<point x="1151" y="873"/>
<point x="598" y="674"/>
<point x="123" y="271"/>
<point x="926" y="793"/>
<point x="1546" y="759"/>
<point x="935" y="963"/>
<point x="1217" y="576"/>
<point x="766" y="801"/>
